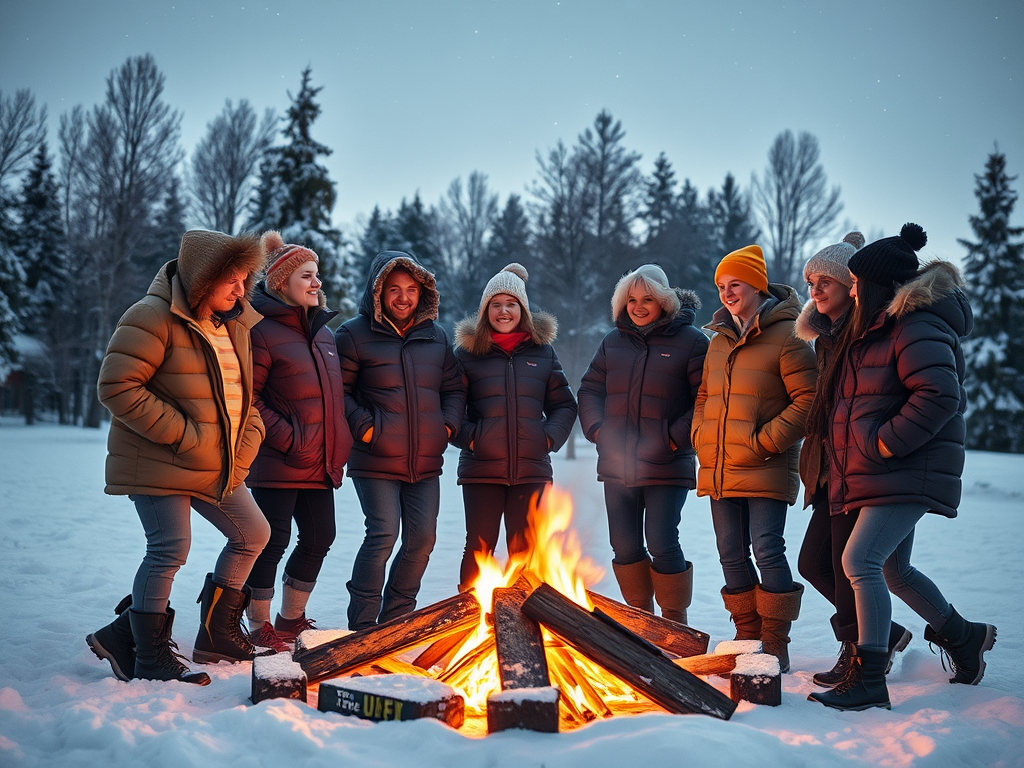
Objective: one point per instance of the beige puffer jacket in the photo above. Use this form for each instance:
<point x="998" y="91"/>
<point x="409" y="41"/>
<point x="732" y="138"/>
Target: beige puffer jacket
<point x="752" y="404"/>
<point x="161" y="382"/>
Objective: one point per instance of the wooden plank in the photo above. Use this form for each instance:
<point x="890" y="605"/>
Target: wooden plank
<point x="668" y="635"/>
<point x="624" y="654"/>
<point x="708" y="663"/>
<point x="441" y="651"/>
<point x="522" y="662"/>
<point x="392" y="697"/>
<point x="390" y="638"/>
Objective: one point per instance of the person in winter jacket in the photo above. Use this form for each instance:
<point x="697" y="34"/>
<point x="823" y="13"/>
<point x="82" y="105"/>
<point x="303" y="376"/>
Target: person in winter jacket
<point x="636" y="403"/>
<point x="820" y="562"/>
<point x="750" y="414"/>
<point x="404" y="398"/>
<point x="177" y="380"/>
<point x="519" y="408"/>
<point x="300" y="395"/>
<point x="896" y="452"/>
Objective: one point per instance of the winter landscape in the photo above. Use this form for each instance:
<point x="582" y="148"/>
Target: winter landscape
<point x="68" y="554"/>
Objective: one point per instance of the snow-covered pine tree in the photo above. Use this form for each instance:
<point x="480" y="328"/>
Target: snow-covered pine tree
<point x="994" y="352"/>
<point x="296" y="197"/>
<point x="415" y="226"/>
<point x="381" y="234"/>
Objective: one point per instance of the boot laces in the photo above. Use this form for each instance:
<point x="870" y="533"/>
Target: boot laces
<point x="945" y="656"/>
<point x="852" y="678"/>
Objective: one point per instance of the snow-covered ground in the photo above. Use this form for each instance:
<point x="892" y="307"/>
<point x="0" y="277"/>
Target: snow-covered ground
<point x="68" y="554"/>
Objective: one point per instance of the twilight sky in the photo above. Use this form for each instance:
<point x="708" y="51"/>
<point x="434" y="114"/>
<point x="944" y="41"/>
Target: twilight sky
<point x="906" y="98"/>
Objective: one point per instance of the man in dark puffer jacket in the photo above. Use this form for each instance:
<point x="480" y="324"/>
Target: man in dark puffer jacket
<point x="404" y="398"/>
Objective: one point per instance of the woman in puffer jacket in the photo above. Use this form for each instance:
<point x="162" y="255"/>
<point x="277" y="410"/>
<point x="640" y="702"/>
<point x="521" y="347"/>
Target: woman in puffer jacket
<point x="896" y="452"/>
<point x="636" y="403"/>
<point x="750" y="415"/>
<point x="519" y="409"/>
<point x="300" y="395"/>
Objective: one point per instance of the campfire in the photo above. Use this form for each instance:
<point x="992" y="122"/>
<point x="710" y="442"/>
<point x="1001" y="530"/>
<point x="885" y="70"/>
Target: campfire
<point x="528" y="646"/>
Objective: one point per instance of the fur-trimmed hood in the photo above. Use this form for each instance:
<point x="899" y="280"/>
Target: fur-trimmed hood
<point x="811" y="324"/>
<point x="205" y="258"/>
<point x="938" y="288"/>
<point x="473" y="333"/>
<point x="381" y="267"/>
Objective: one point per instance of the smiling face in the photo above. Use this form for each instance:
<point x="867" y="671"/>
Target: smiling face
<point x="400" y="296"/>
<point x="504" y="313"/>
<point x="642" y="307"/>
<point x="740" y="298"/>
<point x="302" y="289"/>
<point x="831" y="298"/>
<point x="226" y="293"/>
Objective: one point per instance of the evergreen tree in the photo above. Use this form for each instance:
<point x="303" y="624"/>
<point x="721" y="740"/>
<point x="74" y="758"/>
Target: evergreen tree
<point x="994" y="352"/>
<point x="660" y="205"/>
<point x="168" y="227"/>
<point x="296" y="197"/>
<point x="381" y="234"/>
<point x="415" y="228"/>
<point x="731" y="217"/>
<point x="510" y="238"/>
<point x="12" y="281"/>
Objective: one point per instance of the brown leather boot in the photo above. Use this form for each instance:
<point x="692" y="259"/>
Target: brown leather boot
<point x="778" y="611"/>
<point x="635" y="584"/>
<point x="674" y="592"/>
<point x="742" y="606"/>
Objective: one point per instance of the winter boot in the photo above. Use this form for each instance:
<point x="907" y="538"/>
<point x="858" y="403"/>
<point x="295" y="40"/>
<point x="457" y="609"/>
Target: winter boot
<point x="635" y="584"/>
<point x="674" y="591"/>
<point x="863" y="687"/>
<point x="155" y="657"/>
<point x="220" y="635"/>
<point x="778" y="611"/>
<point x="114" y="642"/>
<point x="838" y="673"/>
<point x="742" y="606"/>
<point x="289" y="629"/>
<point x="899" y="638"/>
<point x="265" y="636"/>
<point x="964" y="643"/>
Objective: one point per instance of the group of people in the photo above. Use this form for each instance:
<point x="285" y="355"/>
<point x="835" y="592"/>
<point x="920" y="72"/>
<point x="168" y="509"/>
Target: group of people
<point x="230" y="395"/>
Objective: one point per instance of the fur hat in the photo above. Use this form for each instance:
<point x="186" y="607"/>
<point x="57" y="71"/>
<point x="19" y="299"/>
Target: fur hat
<point x="652" y="276"/>
<point x="511" y="280"/>
<point x="206" y="257"/>
<point x="891" y="260"/>
<point x="746" y="264"/>
<point x="832" y="259"/>
<point x="283" y="259"/>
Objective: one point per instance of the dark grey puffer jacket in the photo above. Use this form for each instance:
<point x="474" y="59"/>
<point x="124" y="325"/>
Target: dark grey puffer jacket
<point x="408" y="388"/>
<point x="902" y="381"/>
<point x="638" y="395"/>
<point x="519" y="406"/>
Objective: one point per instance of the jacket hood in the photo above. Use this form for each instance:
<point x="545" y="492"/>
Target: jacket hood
<point x="938" y="288"/>
<point x="205" y="258"/>
<point x="811" y="324"/>
<point x="381" y="267"/>
<point x="473" y="334"/>
<point x="786" y="307"/>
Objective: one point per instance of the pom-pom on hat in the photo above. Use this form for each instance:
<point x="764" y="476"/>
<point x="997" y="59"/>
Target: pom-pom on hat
<point x="511" y="280"/>
<point x="891" y="260"/>
<point x="283" y="259"/>
<point x="832" y="260"/>
<point x="746" y="264"/>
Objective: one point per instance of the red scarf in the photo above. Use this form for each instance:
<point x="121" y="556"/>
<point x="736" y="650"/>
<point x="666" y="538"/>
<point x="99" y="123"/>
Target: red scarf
<point x="509" y="341"/>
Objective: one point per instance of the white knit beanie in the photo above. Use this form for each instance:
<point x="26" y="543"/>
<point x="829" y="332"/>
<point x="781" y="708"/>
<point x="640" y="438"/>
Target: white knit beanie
<point x="511" y="280"/>
<point x="832" y="260"/>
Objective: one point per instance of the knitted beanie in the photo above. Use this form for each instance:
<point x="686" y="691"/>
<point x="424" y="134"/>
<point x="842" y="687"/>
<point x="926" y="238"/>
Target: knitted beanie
<point x="283" y="259"/>
<point x="746" y="264"/>
<point x="511" y="280"/>
<point x="832" y="259"/>
<point x="891" y="260"/>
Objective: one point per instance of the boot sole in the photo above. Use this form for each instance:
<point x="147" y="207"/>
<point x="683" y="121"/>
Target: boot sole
<point x="990" y="640"/>
<point x="859" y="708"/>
<point x="900" y="646"/>
<point x="212" y="657"/>
<point x="104" y="655"/>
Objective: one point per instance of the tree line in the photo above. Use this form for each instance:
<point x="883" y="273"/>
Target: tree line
<point x="80" y="238"/>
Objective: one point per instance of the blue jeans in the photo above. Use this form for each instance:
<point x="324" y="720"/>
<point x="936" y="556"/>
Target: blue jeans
<point x="653" y="511"/>
<point x="392" y="507"/>
<point x="168" y="526"/>
<point x="742" y="523"/>
<point x="877" y="560"/>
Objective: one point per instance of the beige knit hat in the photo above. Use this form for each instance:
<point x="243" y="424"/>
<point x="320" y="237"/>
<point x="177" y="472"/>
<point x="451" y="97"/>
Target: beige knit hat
<point x="511" y="280"/>
<point x="283" y="259"/>
<point x="832" y="260"/>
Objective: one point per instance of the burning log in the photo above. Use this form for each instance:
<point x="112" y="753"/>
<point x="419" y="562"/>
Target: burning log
<point x="392" y="697"/>
<point x="570" y="671"/>
<point x="756" y="679"/>
<point x="277" y="677"/>
<point x="626" y="655"/>
<point x="521" y="659"/>
<point x="443" y="649"/>
<point x="533" y="709"/>
<point x="390" y="638"/>
<point x="668" y="635"/>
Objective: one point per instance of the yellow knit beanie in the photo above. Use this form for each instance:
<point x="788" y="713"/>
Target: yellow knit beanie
<point x="746" y="264"/>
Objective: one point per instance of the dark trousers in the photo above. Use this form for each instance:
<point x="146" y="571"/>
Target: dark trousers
<point x="313" y="512"/>
<point x="821" y="562"/>
<point x="486" y="505"/>
<point x="650" y="512"/>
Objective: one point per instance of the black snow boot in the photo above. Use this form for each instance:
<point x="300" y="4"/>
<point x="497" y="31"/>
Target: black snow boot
<point x="114" y="642"/>
<point x="155" y="657"/>
<point x="964" y="643"/>
<point x="863" y="687"/>
<point x="899" y="638"/>
<point x="839" y="672"/>
<point x="221" y="636"/>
